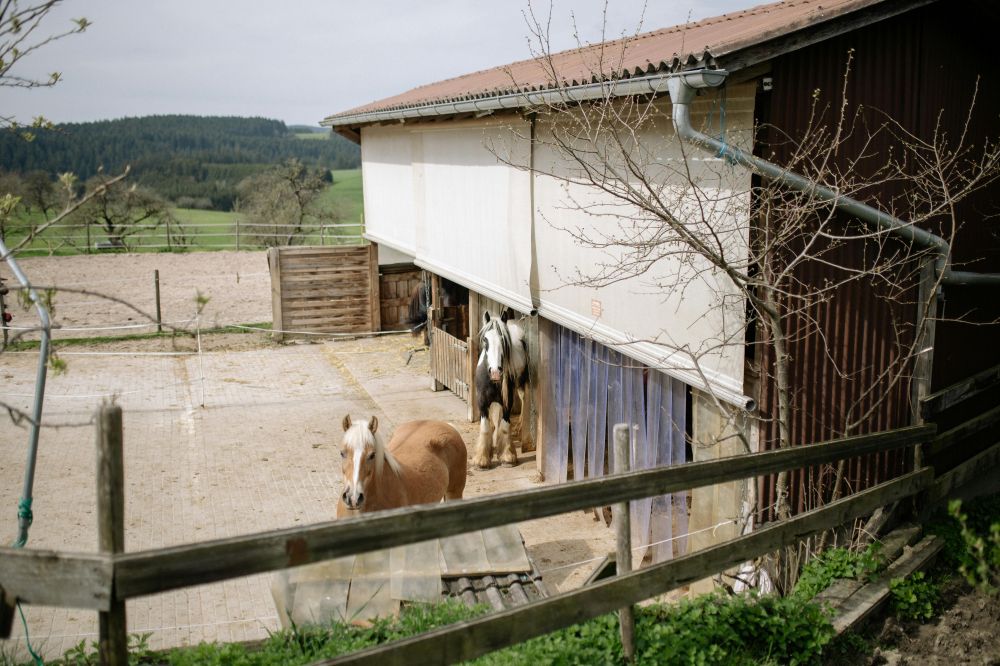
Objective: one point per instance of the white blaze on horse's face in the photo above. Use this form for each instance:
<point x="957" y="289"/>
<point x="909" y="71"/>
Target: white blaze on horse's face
<point x="357" y="455"/>
<point x="493" y="353"/>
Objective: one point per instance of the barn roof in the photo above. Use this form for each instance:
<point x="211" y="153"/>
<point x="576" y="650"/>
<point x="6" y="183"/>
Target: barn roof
<point x="733" y="41"/>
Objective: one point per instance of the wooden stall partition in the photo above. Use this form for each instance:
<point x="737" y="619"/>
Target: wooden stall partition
<point x="324" y="289"/>
<point x="397" y="283"/>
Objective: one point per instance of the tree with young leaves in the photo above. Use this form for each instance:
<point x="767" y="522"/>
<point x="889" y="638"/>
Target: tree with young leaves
<point x="283" y="207"/>
<point x="126" y="215"/>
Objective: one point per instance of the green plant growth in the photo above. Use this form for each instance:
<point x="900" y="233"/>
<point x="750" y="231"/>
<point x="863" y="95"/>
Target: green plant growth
<point x="820" y="572"/>
<point x="710" y="629"/>
<point x="914" y="598"/>
<point x="979" y="561"/>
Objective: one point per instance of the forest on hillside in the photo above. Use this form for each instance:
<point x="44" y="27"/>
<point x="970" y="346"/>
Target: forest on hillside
<point x="195" y="161"/>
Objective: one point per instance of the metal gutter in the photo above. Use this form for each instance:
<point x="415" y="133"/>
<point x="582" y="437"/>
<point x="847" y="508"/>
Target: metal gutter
<point x="618" y="88"/>
<point x="683" y="88"/>
<point x="24" y="515"/>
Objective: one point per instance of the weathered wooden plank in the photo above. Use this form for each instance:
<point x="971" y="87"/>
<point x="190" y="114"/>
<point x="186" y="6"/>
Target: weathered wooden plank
<point x="472" y="638"/>
<point x="373" y="285"/>
<point x="165" y="569"/>
<point x="960" y="391"/>
<point x="944" y="486"/>
<point x="274" y="266"/>
<point x="112" y="625"/>
<point x="49" y="578"/>
<point x="967" y="429"/>
<point x="865" y="601"/>
<point x="838" y="593"/>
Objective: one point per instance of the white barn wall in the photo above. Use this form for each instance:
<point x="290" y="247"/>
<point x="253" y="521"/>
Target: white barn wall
<point x="387" y="178"/>
<point x="439" y="191"/>
<point x="679" y="316"/>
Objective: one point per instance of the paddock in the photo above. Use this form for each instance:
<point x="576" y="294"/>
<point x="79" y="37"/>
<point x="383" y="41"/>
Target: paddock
<point x="239" y="439"/>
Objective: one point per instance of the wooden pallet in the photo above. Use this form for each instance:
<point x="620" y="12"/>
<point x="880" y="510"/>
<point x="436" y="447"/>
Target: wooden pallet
<point x="854" y="601"/>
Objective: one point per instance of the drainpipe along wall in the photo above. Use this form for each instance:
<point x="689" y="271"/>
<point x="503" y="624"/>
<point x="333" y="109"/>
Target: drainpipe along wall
<point x="683" y="88"/>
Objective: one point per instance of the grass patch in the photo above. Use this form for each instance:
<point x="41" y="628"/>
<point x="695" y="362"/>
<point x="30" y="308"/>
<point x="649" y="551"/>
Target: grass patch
<point x="710" y="629"/>
<point x="204" y="229"/>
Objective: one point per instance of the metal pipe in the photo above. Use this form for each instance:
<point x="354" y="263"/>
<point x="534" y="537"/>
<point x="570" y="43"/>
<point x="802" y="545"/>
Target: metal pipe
<point x="601" y="90"/>
<point x="24" y="515"/>
<point x="682" y="92"/>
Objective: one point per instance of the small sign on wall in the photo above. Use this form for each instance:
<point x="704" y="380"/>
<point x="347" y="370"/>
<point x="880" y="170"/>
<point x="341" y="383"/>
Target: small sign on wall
<point x="596" y="308"/>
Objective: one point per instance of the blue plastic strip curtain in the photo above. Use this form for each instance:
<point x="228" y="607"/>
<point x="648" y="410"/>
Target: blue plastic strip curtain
<point x="553" y="411"/>
<point x="679" y="456"/>
<point x="616" y="408"/>
<point x="660" y="428"/>
<point x="635" y="396"/>
<point x="591" y="388"/>
<point x="565" y="401"/>
<point x="597" y="433"/>
<point x="662" y="413"/>
<point x="581" y="404"/>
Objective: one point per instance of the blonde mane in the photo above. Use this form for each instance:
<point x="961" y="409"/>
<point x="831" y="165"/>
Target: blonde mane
<point x="360" y="436"/>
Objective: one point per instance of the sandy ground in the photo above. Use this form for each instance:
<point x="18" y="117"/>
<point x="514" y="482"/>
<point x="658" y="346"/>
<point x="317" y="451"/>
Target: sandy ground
<point x="237" y="439"/>
<point x="115" y="294"/>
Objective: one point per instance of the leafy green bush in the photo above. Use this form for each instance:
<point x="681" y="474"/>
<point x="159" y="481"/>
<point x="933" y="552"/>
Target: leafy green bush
<point x="710" y="629"/>
<point x="980" y="560"/>
<point x="914" y="598"/>
<point x="820" y="572"/>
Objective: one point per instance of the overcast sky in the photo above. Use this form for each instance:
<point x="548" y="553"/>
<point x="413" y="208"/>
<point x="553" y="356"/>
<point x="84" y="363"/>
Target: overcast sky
<point x="295" y="61"/>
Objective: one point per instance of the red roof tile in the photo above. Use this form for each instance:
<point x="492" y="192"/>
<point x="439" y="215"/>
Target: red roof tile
<point x="688" y="44"/>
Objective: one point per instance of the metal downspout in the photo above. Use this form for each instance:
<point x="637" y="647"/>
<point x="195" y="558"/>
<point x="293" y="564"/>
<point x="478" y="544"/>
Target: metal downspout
<point x="24" y="515"/>
<point x="681" y="95"/>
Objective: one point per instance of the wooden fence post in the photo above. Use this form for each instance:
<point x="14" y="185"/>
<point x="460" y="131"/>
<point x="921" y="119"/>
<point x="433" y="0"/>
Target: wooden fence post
<point x="474" y="319"/>
<point x="113" y="632"/>
<point x="623" y="539"/>
<point x="156" y="287"/>
<point x="274" y="266"/>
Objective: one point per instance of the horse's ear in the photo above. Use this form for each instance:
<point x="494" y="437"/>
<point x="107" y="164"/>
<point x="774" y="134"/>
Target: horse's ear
<point x="373" y="424"/>
<point x="347" y="422"/>
<point x="486" y="317"/>
<point x="505" y="315"/>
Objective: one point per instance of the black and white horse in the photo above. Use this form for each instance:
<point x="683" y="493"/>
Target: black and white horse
<point x="502" y="369"/>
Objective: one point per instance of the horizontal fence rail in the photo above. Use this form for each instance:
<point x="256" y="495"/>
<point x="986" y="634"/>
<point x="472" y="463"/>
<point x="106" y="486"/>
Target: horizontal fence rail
<point x="195" y="235"/>
<point x="473" y="638"/>
<point x="164" y="569"/>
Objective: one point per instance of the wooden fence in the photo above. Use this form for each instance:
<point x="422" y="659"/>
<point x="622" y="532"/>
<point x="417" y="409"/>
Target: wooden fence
<point x="324" y="289"/>
<point x="103" y="581"/>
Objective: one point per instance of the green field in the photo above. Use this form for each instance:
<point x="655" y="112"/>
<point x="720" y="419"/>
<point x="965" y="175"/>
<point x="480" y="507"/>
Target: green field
<point x="213" y="230"/>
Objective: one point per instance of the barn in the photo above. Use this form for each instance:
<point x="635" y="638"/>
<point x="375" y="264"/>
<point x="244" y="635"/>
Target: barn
<point x="571" y="188"/>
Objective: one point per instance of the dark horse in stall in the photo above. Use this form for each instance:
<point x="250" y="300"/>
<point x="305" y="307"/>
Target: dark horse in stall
<point x="452" y="295"/>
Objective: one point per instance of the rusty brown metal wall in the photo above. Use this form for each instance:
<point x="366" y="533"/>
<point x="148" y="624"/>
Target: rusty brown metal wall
<point x="917" y="68"/>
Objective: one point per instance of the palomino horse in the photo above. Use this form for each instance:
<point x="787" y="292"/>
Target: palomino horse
<point x="502" y="368"/>
<point x="425" y="461"/>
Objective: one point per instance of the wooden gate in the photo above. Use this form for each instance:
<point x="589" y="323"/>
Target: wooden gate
<point x="450" y="367"/>
<point x="324" y="289"/>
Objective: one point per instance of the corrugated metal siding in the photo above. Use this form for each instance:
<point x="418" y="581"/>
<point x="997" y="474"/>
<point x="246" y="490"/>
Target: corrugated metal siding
<point x="899" y="68"/>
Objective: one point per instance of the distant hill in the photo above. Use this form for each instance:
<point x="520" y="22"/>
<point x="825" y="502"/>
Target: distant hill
<point x="191" y="157"/>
